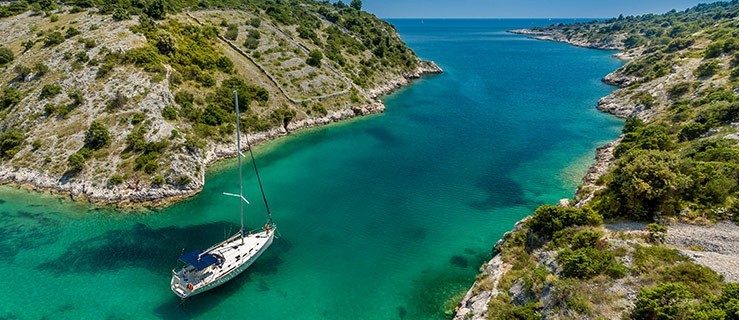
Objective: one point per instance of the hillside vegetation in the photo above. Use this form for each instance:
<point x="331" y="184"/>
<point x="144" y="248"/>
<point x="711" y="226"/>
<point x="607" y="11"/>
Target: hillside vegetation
<point x="129" y="101"/>
<point x="678" y="160"/>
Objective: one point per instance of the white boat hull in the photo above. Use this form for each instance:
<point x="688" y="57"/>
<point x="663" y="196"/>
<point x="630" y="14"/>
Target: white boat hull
<point x="238" y="255"/>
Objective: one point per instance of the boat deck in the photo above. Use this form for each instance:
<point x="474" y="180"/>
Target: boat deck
<point x="233" y="254"/>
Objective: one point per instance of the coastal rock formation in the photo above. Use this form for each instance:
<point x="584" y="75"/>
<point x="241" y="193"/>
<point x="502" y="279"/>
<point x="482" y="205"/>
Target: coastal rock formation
<point x="474" y="304"/>
<point x="554" y="34"/>
<point x="399" y="81"/>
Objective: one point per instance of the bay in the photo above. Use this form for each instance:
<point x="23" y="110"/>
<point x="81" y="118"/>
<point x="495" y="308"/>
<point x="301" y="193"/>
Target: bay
<point x="383" y="217"/>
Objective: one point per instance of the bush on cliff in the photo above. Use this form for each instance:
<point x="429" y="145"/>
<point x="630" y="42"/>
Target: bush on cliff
<point x="643" y="184"/>
<point x="549" y="219"/>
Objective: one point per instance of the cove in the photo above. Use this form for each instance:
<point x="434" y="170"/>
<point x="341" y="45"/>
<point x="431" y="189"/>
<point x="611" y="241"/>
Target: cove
<point x="383" y="217"/>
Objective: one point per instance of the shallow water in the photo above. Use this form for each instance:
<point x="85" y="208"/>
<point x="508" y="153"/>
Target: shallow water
<point x="382" y="217"/>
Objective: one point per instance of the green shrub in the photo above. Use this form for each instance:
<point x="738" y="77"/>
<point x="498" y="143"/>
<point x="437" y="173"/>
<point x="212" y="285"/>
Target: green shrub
<point x="255" y="22"/>
<point x="53" y="38"/>
<point x="115" y="180"/>
<point x="40" y="69"/>
<point x="692" y="131"/>
<point x="549" y="219"/>
<point x="50" y="91"/>
<point x="77" y="98"/>
<point x="97" y="136"/>
<point x="644" y="183"/>
<point x="169" y="113"/>
<point x="657" y="233"/>
<point x="76" y="162"/>
<point x="586" y="239"/>
<point x="652" y="258"/>
<point x="121" y="14"/>
<point x="706" y="69"/>
<point x="10" y="97"/>
<point x="27" y="45"/>
<point x="314" y="58"/>
<point x="585" y="263"/>
<point x="182" y="180"/>
<point x="137" y="118"/>
<point x="645" y="99"/>
<point x="22" y="71"/>
<point x="232" y="33"/>
<point x="143" y="55"/>
<point x="679" y="90"/>
<point x="714" y="50"/>
<point x="666" y="301"/>
<point x="6" y="56"/>
<point x="10" y="143"/>
<point x="71" y="32"/>
<point x="157" y="181"/>
<point x="650" y="137"/>
<point x="701" y="281"/>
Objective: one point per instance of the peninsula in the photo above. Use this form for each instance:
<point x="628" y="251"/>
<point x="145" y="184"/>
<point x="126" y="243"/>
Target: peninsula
<point x="667" y="189"/>
<point x="129" y="104"/>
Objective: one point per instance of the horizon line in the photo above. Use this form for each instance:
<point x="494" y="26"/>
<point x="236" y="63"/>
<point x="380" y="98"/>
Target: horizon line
<point x="491" y="18"/>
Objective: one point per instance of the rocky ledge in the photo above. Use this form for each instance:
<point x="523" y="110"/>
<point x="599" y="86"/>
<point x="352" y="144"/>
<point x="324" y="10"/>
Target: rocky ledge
<point x="609" y="43"/>
<point x="424" y="68"/>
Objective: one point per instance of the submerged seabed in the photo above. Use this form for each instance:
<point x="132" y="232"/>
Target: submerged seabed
<point x="385" y="217"/>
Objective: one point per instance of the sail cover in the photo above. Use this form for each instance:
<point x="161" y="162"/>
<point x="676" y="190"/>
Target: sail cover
<point x="198" y="259"/>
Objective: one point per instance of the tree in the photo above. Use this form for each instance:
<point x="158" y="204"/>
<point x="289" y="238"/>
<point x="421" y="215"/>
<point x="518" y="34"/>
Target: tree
<point x="647" y="182"/>
<point x="314" y="58"/>
<point x="356" y="4"/>
<point x="97" y="136"/>
<point x="6" y="56"/>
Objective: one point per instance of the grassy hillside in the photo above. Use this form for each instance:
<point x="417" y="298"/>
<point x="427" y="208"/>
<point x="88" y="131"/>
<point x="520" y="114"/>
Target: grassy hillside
<point x="129" y="101"/>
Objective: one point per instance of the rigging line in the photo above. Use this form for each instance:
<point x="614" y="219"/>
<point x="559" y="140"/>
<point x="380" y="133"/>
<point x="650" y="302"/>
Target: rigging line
<point x="256" y="171"/>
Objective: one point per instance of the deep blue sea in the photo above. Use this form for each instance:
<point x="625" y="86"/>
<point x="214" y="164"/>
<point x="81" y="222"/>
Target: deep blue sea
<point x="383" y="217"/>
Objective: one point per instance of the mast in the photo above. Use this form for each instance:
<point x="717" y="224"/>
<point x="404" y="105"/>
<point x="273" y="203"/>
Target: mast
<point x="238" y="155"/>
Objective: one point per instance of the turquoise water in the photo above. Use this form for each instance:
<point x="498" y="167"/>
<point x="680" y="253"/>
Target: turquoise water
<point x="383" y="217"/>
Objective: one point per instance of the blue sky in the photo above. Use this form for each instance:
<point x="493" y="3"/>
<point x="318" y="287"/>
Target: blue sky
<point x="520" y="8"/>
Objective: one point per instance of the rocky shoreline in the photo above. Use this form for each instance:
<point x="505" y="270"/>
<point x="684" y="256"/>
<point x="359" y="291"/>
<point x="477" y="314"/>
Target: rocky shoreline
<point x="136" y="196"/>
<point x="713" y="246"/>
<point x="557" y="36"/>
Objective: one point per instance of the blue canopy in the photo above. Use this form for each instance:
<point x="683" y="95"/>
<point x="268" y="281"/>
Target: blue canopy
<point x="199" y="260"/>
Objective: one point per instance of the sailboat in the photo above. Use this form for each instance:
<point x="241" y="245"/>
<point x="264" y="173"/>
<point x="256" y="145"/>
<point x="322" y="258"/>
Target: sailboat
<point x="205" y="270"/>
